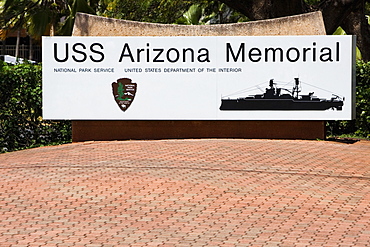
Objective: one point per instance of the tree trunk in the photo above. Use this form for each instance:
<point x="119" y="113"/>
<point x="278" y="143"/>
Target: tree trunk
<point x="17" y="44"/>
<point x="267" y="9"/>
<point x="334" y="12"/>
<point x="30" y="50"/>
<point x="356" y="24"/>
<point x="3" y="47"/>
<point x="349" y="14"/>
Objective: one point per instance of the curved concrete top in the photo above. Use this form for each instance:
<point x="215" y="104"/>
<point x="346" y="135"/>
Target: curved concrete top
<point x="305" y="24"/>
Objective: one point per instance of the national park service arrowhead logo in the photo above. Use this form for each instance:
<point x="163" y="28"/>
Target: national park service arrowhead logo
<point x="124" y="91"/>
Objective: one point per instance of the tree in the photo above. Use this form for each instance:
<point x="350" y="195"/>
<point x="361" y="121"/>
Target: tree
<point x="16" y="22"/>
<point x="349" y="14"/>
<point x="74" y="7"/>
<point x="210" y="12"/>
<point x="171" y="11"/>
<point x="42" y="17"/>
<point x="159" y="11"/>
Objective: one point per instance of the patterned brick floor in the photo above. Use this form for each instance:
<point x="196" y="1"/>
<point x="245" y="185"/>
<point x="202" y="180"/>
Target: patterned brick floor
<point x="187" y="193"/>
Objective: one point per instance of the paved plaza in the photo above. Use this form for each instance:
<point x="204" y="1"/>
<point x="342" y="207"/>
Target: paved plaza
<point x="206" y="192"/>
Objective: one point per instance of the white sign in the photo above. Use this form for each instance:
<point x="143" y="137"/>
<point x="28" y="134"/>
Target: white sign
<point x="199" y="78"/>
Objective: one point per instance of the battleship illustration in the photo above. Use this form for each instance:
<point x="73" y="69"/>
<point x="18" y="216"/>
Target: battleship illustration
<point x="283" y="99"/>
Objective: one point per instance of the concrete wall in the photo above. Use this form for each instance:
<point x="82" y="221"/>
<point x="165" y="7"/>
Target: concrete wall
<point x="305" y="24"/>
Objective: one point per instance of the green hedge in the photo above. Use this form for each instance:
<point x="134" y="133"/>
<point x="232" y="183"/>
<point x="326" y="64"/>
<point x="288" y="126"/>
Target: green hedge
<point x="360" y="127"/>
<point x="21" y="124"/>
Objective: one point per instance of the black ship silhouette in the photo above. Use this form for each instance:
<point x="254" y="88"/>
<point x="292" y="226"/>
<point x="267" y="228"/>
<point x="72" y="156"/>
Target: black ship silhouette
<point x="274" y="99"/>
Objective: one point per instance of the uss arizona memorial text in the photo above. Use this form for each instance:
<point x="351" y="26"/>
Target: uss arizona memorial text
<point x="240" y="52"/>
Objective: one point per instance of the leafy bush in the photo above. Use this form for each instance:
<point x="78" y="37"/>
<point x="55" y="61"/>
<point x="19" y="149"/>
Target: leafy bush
<point x="21" y="123"/>
<point x="361" y="125"/>
<point x="22" y="126"/>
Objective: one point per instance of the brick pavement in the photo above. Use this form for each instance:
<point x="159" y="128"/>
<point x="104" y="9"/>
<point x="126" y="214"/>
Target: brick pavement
<point x="187" y="193"/>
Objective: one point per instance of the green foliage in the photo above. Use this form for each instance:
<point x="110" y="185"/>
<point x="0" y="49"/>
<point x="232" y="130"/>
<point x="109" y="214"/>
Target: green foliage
<point x="159" y="11"/>
<point x="210" y="12"/>
<point x="168" y="11"/>
<point x="312" y="2"/>
<point x="340" y="31"/>
<point x="361" y="125"/>
<point x="74" y="7"/>
<point x="367" y="8"/>
<point x="42" y="17"/>
<point x="21" y="124"/>
<point x="193" y="15"/>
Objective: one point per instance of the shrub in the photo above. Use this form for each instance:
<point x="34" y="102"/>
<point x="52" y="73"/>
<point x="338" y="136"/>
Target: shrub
<point x="21" y="123"/>
<point x="22" y="126"/>
<point x="361" y="125"/>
